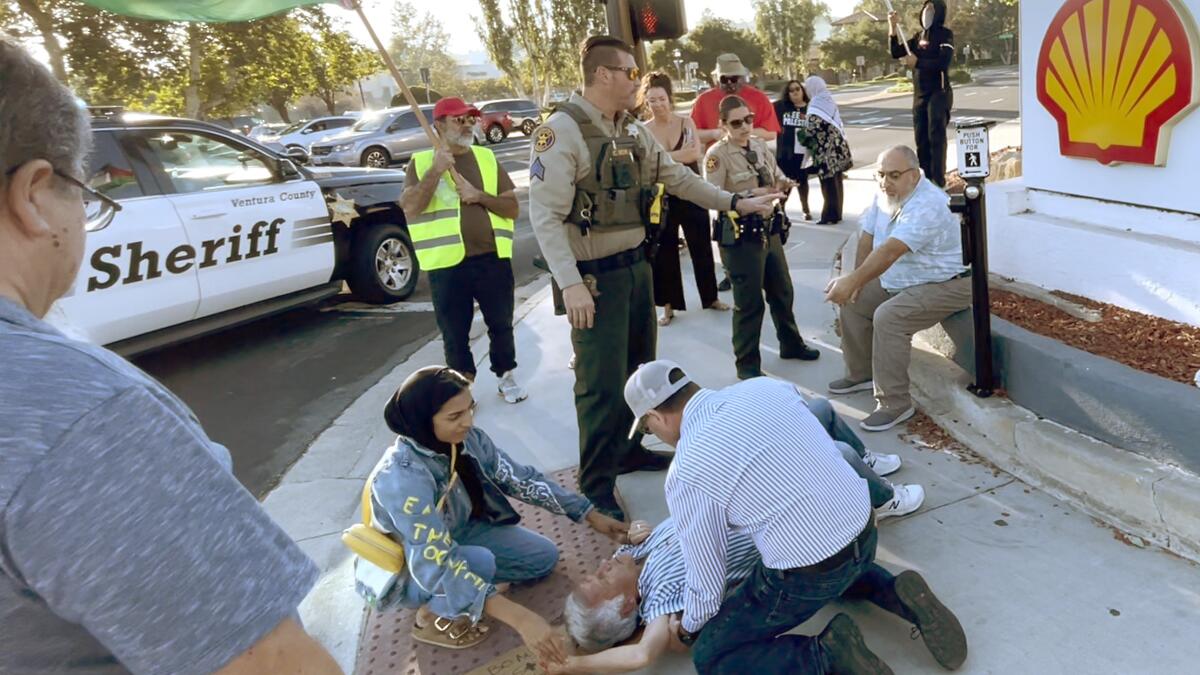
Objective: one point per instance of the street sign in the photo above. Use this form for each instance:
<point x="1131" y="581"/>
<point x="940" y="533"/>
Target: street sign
<point x="860" y="61"/>
<point x="973" y="159"/>
<point x="425" y="76"/>
<point x="1005" y="36"/>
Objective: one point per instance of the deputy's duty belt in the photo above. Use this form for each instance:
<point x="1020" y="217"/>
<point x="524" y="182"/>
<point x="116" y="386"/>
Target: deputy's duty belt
<point x="613" y="262"/>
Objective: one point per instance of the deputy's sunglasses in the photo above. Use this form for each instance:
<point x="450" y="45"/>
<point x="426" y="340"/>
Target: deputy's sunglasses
<point x="891" y="175"/>
<point x="98" y="209"/>
<point x="632" y="72"/>
<point x="730" y="79"/>
<point x="748" y="120"/>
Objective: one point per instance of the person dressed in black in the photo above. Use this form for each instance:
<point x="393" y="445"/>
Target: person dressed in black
<point x="928" y="54"/>
<point x="791" y="149"/>
<point x="677" y="133"/>
<point x="831" y="152"/>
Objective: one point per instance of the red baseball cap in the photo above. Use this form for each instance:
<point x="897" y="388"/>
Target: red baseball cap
<point x="447" y="107"/>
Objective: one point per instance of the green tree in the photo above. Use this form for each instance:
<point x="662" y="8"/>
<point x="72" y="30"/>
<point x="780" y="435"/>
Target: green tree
<point x="420" y="42"/>
<point x="985" y="25"/>
<point x="709" y="39"/>
<point x="573" y="22"/>
<point x="786" y="29"/>
<point x="497" y="39"/>
<point x="337" y="60"/>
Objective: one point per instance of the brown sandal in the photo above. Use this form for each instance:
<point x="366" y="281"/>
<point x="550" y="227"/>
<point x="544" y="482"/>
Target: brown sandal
<point x="457" y="634"/>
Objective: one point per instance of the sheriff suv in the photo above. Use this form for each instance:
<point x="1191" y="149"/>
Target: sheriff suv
<point x="216" y="229"/>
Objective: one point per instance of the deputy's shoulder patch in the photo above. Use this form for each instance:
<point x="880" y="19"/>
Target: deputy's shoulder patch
<point x="712" y="163"/>
<point x="543" y="140"/>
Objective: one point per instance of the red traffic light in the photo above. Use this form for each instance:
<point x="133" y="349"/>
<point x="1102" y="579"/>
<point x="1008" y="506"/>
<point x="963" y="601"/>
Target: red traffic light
<point x="658" y="19"/>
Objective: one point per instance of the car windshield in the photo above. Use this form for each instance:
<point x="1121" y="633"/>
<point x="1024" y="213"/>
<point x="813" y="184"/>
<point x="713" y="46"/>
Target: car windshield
<point x="372" y="123"/>
<point x="291" y="128"/>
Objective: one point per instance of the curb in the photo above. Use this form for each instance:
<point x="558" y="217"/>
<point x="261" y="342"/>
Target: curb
<point x="1156" y="502"/>
<point x="332" y="612"/>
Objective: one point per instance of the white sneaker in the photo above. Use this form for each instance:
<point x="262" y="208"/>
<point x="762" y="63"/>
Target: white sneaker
<point x="908" y="498"/>
<point x="882" y="465"/>
<point x="510" y="390"/>
<point x="571" y="363"/>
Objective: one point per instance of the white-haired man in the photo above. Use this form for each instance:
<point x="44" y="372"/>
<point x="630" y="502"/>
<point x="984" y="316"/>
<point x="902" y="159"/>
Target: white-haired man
<point x="751" y="459"/>
<point x="908" y="275"/>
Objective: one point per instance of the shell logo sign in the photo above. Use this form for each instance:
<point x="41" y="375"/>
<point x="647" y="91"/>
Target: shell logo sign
<point x="1116" y="75"/>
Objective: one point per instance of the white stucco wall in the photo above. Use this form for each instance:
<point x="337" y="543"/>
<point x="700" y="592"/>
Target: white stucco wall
<point x="1124" y="234"/>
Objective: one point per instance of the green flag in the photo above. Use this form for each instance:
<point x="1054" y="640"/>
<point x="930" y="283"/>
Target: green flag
<point x="207" y="11"/>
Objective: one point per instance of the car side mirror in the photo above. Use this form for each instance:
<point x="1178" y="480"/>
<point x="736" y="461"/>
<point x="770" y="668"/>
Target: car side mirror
<point x="288" y="169"/>
<point x="298" y="155"/>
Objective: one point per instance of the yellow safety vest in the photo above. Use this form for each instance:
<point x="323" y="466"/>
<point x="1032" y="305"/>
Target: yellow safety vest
<point x="437" y="232"/>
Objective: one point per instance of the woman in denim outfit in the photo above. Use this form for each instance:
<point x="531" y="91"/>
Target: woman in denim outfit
<point x="441" y="490"/>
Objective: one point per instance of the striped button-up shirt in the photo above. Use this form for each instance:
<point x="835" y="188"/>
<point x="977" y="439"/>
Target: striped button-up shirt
<point x="662" y="582"/>
<point x="751" y="458"/>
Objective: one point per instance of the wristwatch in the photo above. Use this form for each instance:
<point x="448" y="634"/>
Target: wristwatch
<point x="688" y="639"/>
<point x="733" y="202"/>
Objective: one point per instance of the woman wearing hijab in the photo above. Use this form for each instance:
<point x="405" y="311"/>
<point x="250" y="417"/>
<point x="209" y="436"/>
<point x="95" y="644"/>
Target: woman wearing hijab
<point x="441" y="491"/>
<point x="831" y="155"/>
<point x="792" y="152"/>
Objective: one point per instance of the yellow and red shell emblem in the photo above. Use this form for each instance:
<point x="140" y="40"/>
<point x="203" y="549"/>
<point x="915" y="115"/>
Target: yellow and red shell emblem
<point x="1116" y="74"/>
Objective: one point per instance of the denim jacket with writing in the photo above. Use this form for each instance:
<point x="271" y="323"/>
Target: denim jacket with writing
<point x="407" y="485"/>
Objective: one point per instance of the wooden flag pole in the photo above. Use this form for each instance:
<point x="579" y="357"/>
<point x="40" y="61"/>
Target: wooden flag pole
<point x="387" y="60"/>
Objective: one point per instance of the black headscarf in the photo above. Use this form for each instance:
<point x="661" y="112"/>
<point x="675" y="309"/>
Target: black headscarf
<point x="410" y="413"/>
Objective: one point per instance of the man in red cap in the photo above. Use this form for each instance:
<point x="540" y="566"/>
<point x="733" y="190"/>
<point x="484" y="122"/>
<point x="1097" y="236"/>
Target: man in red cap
<point x="460" y="205"/>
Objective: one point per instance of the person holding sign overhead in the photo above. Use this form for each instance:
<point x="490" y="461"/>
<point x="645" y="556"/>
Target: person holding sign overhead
<point x="928" y="54"/>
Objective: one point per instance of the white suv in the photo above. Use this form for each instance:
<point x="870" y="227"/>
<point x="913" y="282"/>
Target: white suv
<point x="215" y="229"/>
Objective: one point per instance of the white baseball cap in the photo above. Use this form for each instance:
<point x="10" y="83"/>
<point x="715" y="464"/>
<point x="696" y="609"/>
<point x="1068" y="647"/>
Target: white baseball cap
<point x="649" y="387"/>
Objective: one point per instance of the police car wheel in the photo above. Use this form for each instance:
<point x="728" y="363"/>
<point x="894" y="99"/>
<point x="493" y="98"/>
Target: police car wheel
<point x="383" y="266"/>
<point x="495" y="133"/>
<point x="527" y="127"/>
<point x="376" y="158"/>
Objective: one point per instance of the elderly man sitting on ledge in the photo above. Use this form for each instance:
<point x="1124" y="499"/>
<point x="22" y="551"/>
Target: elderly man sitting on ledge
<point x="908" y="275"/>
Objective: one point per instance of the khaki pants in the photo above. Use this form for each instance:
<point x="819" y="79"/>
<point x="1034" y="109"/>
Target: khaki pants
<point x="877" y="332"/>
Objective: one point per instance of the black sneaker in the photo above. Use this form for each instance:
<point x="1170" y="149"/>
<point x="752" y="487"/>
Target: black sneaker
<point x="725" y="285"/>
<point x="940" y="629"/>
<point x="802" y="353"/>
<point x="846" y="650"/>
<point x="645" y="460"/>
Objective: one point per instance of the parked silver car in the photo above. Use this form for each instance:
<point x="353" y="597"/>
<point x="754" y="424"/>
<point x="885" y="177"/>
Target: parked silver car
<point x="379" y="140"/>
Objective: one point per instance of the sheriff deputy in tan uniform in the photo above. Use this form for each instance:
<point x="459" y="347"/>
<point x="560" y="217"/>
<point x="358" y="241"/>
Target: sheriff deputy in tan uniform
<point x="596" y="181"/>
<point x="752" y="246"/>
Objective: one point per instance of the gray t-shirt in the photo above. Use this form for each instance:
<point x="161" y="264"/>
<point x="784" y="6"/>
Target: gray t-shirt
<point x="125" y="543"/>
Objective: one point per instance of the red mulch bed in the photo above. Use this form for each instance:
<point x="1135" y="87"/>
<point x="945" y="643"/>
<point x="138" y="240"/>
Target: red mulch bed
<point x="1157" y="346"/>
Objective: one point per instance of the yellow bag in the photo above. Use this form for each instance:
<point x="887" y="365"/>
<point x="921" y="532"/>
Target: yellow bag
<point x="376" y="547"/>
<point x="370" y="544"/>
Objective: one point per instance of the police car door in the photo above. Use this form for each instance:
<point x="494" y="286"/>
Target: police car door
<point x="258" y="235"/>
<point x="135" y="277"/>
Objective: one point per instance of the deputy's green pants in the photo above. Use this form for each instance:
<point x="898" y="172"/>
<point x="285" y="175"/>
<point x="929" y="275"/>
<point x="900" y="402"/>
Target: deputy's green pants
<point x="622" y="338"/>
<point x="756" y="269"/>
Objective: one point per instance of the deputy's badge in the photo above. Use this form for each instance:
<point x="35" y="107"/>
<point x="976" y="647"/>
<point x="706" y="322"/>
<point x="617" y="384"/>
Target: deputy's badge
<point x="544" y="140"/>
<point x="711" y="163"/>
<point x="537" y="169"/>
<point x="341" y="210"/>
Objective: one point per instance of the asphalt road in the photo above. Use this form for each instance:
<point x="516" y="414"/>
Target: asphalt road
<point x="266" y="390"/>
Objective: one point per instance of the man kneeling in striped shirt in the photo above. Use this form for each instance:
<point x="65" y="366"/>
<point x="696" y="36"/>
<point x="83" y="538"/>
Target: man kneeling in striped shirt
<point x="752" y="460"/>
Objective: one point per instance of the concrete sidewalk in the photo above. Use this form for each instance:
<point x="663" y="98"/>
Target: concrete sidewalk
<point x="1039" y="586"/>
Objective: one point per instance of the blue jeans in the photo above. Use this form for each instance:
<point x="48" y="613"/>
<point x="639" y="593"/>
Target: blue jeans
<point x="497" y="554"/>
<point x="746" y="634"/>
<point x="852" y="449"/>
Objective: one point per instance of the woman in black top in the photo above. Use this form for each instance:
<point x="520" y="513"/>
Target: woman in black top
<point x="677" y="133"/>
<point x="791" y="148"/>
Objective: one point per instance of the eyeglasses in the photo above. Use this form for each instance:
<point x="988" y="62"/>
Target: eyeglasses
<point x="748" y="120"/>
<point x="98" y="209"/>
<point x="632" y="72"/>
<point x="891" y="175"/>
<point x="462" y="120"/>
<point x="730" y="79"/>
